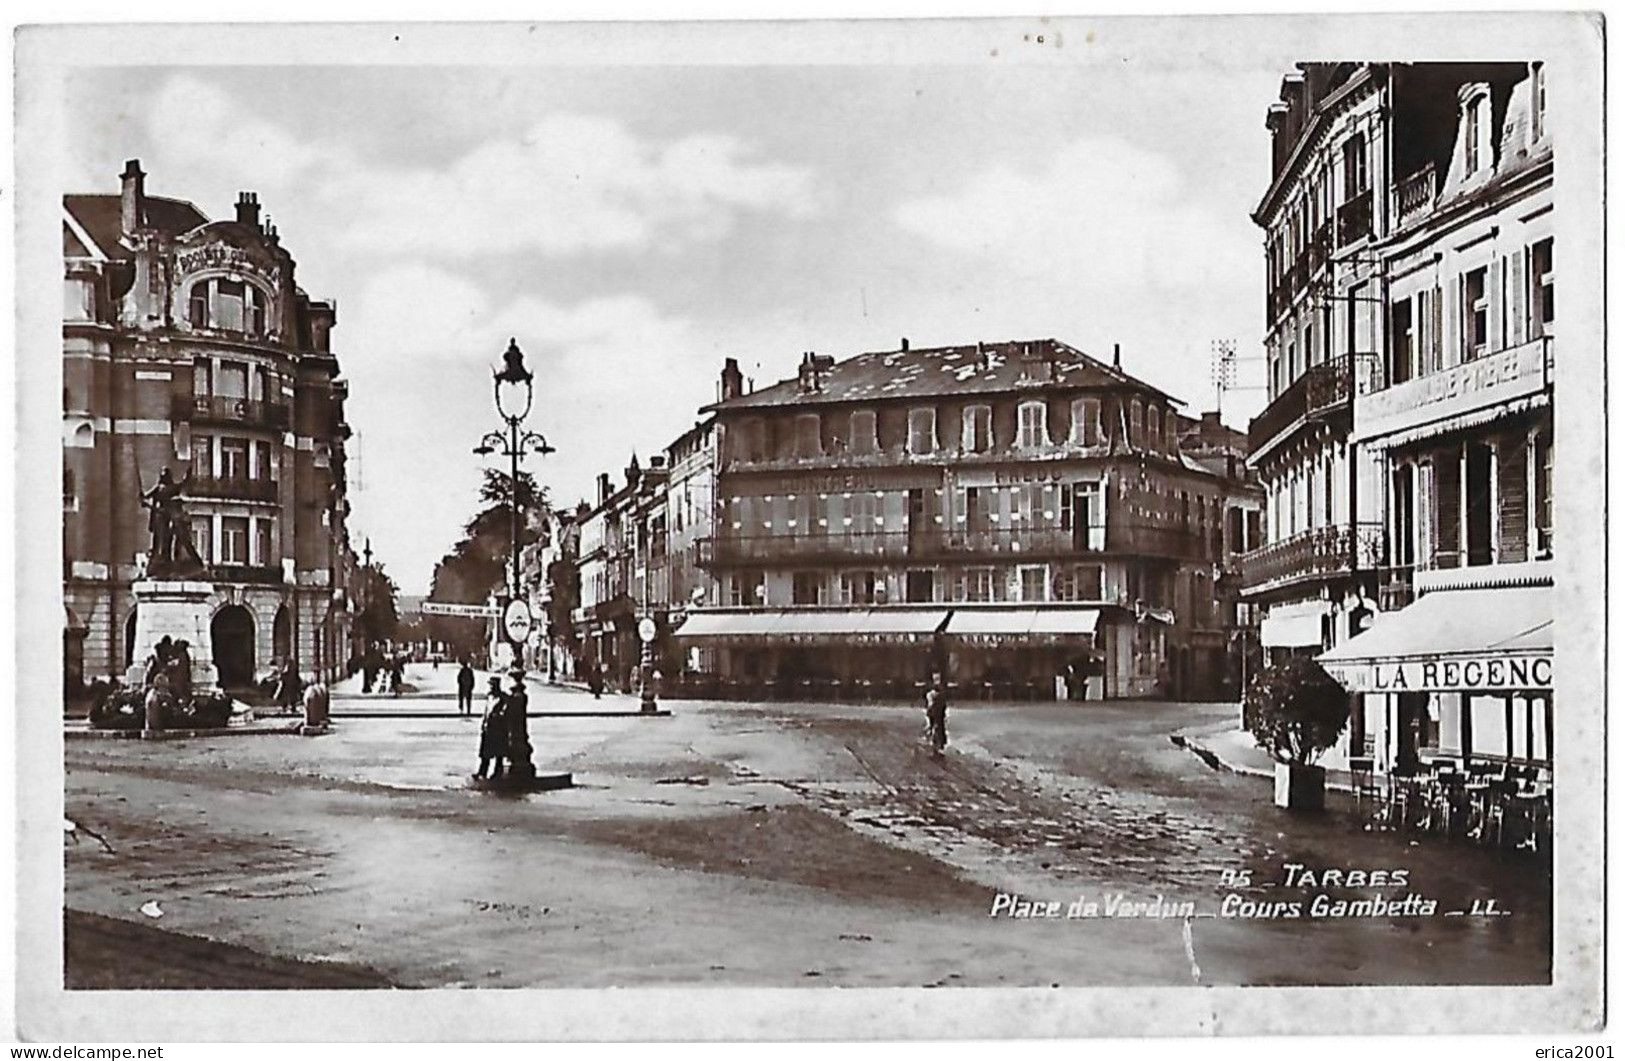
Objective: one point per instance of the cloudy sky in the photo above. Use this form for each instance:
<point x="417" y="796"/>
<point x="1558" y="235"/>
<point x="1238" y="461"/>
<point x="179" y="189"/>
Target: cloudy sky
<point x="634" y="225"/>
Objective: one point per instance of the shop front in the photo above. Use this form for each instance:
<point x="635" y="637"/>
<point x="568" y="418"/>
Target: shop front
<point x="1457" y="708"/>
<point x="890" y="652"/>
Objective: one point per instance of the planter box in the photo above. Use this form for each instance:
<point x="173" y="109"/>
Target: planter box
<point x="1300" y="787"/>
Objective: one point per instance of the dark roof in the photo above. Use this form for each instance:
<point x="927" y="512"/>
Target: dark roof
<point x="101" y="216"/>
<point x="946" y="370"/>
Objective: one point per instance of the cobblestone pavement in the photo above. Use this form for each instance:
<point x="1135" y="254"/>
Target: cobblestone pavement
<point x="839" y="848"/>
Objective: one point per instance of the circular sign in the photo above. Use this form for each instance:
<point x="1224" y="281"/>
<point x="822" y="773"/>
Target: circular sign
<point x="646" y="629"/>
<point x="516" y="621"/>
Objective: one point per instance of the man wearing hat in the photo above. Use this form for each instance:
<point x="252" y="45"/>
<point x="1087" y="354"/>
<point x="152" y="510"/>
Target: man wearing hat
<point x="518" y="737"/>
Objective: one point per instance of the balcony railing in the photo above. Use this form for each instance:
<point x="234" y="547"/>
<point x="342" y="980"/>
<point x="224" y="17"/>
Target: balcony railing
<point x="1354" y="219"/>
<point x="233" y="487"/>
<point x="962" y="545"/>
<point x="1416" y="192"/>
<point x="1323" y="389"/>
<point x="258" y="574"/>
<point x="1323" y="552"/>
<point x="204" y="408"/>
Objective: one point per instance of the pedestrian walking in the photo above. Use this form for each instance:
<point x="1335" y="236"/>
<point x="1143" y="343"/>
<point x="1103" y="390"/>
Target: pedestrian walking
<point x="397" y="673"/>
<point x="316" y="702"/>
<point x="288" y="688"/>
<point x="595" y="680"/>
<point x="493" y="730"/>
<point x="936" y="715"/>
<point x="465" y="689"/>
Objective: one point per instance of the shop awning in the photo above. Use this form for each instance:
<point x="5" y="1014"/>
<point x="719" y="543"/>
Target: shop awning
<point x="1453" y="640"/>
<point x="814" y="623"/>
<point x="1293" y="628"/>
<point x="1023" y="622"/>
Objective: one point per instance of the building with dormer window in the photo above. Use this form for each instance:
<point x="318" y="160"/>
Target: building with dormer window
<point x="1018" y="515"/>
<point x="187" y="344"/>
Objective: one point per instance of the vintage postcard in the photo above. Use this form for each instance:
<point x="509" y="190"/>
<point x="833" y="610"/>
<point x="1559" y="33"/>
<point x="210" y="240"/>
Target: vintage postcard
<point x="829" y="529"/>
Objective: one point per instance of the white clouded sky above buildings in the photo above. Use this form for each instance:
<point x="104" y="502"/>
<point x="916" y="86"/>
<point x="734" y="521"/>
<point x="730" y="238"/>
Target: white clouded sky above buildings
<point x="633" y="226"/>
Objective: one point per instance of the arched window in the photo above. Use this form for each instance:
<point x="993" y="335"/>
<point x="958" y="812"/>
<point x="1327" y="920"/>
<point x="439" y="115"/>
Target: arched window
<point x="229" y="306"/>
<point x="1154" y="427"/>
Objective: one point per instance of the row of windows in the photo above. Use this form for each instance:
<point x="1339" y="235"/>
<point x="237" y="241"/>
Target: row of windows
<point x="1309" y="212"/>
<point x="1023" y="583"/>
<point x="1505" y="302"/>
<point x="224" y="457"/>
<point x="1473" y="505"/>
<point x="239" y="540"/>
<point x="1144" y="426"/>
<point x="1056" y="505"/>
<point x="233" y="379"/>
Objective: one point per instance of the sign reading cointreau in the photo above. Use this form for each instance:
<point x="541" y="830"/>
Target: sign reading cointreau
<point x="1485" y="381"/>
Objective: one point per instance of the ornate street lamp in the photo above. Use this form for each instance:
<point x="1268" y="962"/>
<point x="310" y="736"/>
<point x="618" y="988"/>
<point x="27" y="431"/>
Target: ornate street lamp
<point x="513" y="385"/>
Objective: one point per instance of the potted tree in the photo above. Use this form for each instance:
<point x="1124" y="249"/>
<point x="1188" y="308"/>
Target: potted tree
<point x="1295" y="712"/>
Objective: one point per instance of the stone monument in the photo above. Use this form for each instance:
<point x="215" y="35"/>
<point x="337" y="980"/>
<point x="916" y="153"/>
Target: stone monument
<point x="172" y="600"/>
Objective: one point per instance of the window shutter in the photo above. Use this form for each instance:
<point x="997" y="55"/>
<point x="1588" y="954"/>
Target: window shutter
<point x="1437" y="338"/>
<point x="1517" y="296"/>
<point x="1497" y="313"/>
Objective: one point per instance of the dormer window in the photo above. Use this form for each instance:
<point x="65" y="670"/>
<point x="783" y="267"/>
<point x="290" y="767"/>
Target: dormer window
<point x="1473" y="134"/>
<point x="978" y="429"/>
<point x="863" y="432"/>
<point x="1085" y="421"/>
<point x="1031" y="428"/>
<point x="1154" y="427"/>
<point x="807" y="442"/>
<point x="922" y="430"/>
<point x="1136" y="424"/>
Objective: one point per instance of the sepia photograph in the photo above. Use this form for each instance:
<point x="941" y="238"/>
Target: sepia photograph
<point x="846" y="529"/>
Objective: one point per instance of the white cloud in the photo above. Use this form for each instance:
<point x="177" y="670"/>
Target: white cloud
<point x="1109" y="215"/>
<point x="571" y="183"/>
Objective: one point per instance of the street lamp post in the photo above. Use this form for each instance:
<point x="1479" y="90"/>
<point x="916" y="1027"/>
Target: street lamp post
<point x="513" y="385"/>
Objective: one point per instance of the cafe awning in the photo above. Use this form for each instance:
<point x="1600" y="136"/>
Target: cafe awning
<point x="812" y="624"/>
<point x="1453" y="640"/>
<point x="1024" y="622"/>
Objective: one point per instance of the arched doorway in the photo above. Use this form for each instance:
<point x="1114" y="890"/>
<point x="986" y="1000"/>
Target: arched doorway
<point x="233" y="635"/>
<point x="282" y="635"/>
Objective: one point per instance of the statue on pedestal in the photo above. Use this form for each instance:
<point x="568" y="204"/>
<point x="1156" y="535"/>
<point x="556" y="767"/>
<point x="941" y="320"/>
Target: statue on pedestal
<point x="173" y="552"/>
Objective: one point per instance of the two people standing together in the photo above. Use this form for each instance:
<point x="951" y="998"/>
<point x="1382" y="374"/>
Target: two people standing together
<point x="504" y="739"/>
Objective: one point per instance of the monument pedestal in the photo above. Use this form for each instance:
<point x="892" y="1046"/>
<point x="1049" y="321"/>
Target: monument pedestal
<point x="179" y="610"/>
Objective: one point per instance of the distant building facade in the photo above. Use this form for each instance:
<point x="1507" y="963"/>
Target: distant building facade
<point x="1017" y="515"/>
<point x="188" y="345"/>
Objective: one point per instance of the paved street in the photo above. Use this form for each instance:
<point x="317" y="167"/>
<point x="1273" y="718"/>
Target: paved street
<point x="751" y="844"/>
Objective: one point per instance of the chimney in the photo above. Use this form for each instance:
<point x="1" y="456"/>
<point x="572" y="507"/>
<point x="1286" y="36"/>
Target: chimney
<point x="248" y="209"/>
<point x="133" y="212"/>
<point x="905" y="344"/>
<point x="270" y="232"/>
<point x="603" y="487"/>
<point x="982" y="360"/>
<point x="733" y="381"/>
<point x="1117" y="356"/>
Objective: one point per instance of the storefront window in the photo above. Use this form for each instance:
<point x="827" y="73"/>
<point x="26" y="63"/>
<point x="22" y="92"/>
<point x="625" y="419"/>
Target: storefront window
<point x="1489" y="716"/>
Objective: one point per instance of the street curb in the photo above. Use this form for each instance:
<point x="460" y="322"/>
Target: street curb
<point x="336" y="715"/>
<point x="1184" y="739"/>
<point x="76" y="733"/>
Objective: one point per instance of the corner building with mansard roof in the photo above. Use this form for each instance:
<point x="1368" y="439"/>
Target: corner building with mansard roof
<point x="188" y="345"/>
<point x="1018" y="515"/>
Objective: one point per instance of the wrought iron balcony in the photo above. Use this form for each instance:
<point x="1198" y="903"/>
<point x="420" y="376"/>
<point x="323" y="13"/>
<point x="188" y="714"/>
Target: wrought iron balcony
<point x="1320" y="553"/>
<point x="1321" y="391"/>
<point x="232" y="487"/>
<point x="939" y="544"/>
<point x="211" y="409"/>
